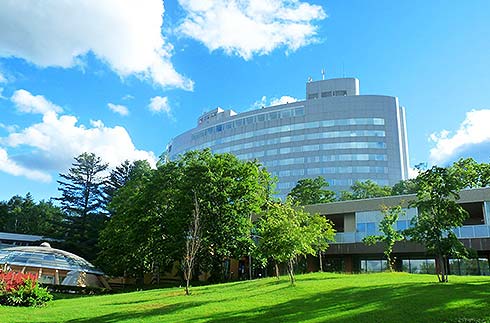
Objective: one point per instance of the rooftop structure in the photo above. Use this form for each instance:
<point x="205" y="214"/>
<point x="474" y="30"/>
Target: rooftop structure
<point x="335" y="133"/>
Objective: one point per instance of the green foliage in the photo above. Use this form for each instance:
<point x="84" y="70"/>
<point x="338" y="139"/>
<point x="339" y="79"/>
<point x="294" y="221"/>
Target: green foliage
<point x="286" y="232"/>
<point x="471" y="174"/>
<point x="153" y="210"/>
<point x="23" y="215"/>
<point x="438" y="215"/>
<point x="82" y="199"/>
<point x="311" y="191"/>
<point x="403" y="187"/>
<point x="365" y="190"/>
<point x="82" y="188"/>
<point x="390" y="235"/>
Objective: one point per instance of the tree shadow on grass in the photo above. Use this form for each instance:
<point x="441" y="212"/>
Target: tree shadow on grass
<point x="139" y="315"/>
<point x="402" y="303"/>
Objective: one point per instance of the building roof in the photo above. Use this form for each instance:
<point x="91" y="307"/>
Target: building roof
<point x="374" y="204"/>
<point x="21" y="237"/>
<point x="46" y="257"/>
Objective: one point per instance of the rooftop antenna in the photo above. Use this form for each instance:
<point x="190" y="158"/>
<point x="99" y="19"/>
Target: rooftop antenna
<point x="310" y="79"/>
<point x="323" y="74"/>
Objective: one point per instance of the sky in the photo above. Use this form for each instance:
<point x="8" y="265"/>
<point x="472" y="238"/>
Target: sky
<point x="122" y="78"/>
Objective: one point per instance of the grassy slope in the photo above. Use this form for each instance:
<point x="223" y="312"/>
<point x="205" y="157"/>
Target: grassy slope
<point x="396" y="297"/>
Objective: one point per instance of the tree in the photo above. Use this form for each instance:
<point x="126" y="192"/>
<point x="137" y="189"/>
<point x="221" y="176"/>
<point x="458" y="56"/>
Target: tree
<point x="471" y="174"/>
<point x="136" y="236"/>
<point x="322" y="232"/>
<point x="192" y="245"/>
<point x="120" y="175"/>
<point x="286" y="232"/>
<point x="438" y="214"/>
<point x="390" y="235"/>
<point x="365" y="190"/>
<point x="229" y="191"/>
<point x="24" y="215"/>
<point x="82" y="199"/>
<point x="82" y="188"/>
<point x="408" y="186"/>
<point x="311" y="191"/>
<point x="152" y="214"/>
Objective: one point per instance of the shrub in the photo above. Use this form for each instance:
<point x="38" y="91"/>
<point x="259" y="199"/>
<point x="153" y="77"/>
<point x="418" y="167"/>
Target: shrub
<point x="18" y="289"/>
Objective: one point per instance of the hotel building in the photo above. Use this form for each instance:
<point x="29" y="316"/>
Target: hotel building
<point x="335" y="133"/>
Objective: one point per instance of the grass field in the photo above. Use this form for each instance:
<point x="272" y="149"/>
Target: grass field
<point x="318" y="297"/>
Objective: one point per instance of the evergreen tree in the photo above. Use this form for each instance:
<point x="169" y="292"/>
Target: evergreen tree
<point x="82" y="198"/>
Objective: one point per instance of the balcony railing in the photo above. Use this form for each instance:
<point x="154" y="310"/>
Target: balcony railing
<point x="464" y="232"/>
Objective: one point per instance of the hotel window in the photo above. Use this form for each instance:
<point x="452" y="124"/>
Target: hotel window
<point x="312" y="96"/>
<point x="341" y="93"/>
<point x="326" y="94"/>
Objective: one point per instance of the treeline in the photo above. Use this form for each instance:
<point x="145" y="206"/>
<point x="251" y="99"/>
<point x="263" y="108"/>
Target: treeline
<point x="467" y="172"/>
<point x="198" y="210"/>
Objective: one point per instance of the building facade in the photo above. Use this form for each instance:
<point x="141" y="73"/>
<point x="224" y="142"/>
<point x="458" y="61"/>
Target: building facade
<point x="357" y="219"/>
<point x="335" y="133"/>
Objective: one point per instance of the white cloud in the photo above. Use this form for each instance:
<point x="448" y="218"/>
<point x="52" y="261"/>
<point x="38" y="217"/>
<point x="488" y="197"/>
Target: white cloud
<point x="124" y="34"/>
<point x="472" y="139"/>
<point x="251" y="27"/>
<point x="11" y="167"/>
<point x="283" y="100"/>
<point x="28" y="103"/>
<point x="264" y="102"/>
<point x="119" y="109"/>
<point x="3" y="79"/>
<point x="50" y="145"/>
<point x="160" y="104"/>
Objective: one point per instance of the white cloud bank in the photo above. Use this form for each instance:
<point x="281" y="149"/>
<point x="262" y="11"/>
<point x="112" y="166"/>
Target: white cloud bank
<point x="472" y="139"/>
<point x="124" y="34"/>
<point x="251" y="27"/>
<point x="119" y="109"/>
<point x="51" y="144"/>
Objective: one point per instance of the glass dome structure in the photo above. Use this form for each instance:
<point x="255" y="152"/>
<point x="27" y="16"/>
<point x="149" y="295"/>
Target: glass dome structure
<point x="46" y="257"/>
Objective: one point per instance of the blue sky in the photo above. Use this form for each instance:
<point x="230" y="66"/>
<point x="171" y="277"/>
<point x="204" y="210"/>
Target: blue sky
<point x="115" y="78"/>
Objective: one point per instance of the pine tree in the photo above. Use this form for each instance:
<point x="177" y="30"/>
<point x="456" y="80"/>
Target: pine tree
<point x="82" y="198"/>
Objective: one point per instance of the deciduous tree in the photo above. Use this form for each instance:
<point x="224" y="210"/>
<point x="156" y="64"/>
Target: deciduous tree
<point x="390" y="235"/>
<point x="311" y="191"/>
<point x="438" y="214"/>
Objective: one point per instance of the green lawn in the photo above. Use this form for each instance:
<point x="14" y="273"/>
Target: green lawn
<point x="396" y="297"/>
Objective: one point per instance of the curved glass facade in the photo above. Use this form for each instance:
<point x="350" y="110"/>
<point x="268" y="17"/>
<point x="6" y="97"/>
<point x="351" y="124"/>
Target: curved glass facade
<point x="45" y="257"/>
<point x="344" y="137"/>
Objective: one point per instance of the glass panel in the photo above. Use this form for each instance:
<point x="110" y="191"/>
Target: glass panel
<point x="406" y="265"/>
<point x="371" y="228"/>
<point x="454" y="267"/>
<point x="374" y="266"/>
<point x="484" y="266"/>
<point x="361" y="227"/>
<point x="469" y="267"/>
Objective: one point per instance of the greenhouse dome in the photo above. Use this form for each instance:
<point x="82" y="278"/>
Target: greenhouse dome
<point x="52" y="265"/>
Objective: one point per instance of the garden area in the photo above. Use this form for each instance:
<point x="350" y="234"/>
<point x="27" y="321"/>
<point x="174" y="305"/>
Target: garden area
<point x="317" y="297"/>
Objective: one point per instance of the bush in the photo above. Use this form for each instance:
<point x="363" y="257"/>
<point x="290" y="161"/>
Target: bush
<point x="18" y="289"/>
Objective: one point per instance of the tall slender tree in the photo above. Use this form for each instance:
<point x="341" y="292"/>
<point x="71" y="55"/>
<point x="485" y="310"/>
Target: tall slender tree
<point x="82" y="198"/>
